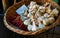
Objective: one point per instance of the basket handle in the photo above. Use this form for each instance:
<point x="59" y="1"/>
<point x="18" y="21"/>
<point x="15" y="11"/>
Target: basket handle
<point x="24" y="0"/>
<point x="14" y="1"/>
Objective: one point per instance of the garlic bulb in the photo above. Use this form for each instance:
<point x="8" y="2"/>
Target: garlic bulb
<point x="31" y="6"/>
<point x="42" y="9"/>
<point x="40" y="25"/>
<point x="34" y="8"/>
<point x="51" y="20"/>
<point x="27" y="22"/>
<point x="47" y="4"/>
<point x="54" y="12"/>
<point x="29" y="27"/>
<point x="29" y="15"/>
<point x="40" y="19"/>
<point x="46" y="21"/>
<point x="46" y="15"/>
<point x="34" y="28"/>
<point x="37" y="14"/>
<point x="32" y="3"/>
<point x="48" y="10"/>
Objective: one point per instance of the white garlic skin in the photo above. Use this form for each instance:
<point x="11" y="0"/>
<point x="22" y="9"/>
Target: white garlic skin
<point x="32" y="3"/>
<point x="29" y="27"/>
<point x="42" y="9"/>
<point x="26" y="22"/>
<point x="46" y="4"/>
<point x="29" y="15"/>
<point x="48" y="10"/>
<point x="41" y="18"/>
<point x="45" y="15"/>
<point x="51" y="20"/>
<point x="31" y="6"/>
<point x="46" y="22"/>
<point x="54" y="12"/>
<point x="34" y="28"/>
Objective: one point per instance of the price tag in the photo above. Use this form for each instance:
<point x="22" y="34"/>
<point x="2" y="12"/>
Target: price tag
<point x="21" y="9"/>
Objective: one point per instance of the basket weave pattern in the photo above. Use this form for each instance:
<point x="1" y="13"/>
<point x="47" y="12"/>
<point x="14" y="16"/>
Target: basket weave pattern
<point x="11" y="11"/>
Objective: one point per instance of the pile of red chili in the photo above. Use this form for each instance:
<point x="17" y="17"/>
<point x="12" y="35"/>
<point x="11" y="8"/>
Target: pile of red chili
<point x="16" y="21"/>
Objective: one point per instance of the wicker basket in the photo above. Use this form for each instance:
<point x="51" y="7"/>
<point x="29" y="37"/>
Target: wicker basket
<point x="11" y="11"/>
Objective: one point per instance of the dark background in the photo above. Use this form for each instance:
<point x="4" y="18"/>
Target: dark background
<point x="6" y="33"/>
